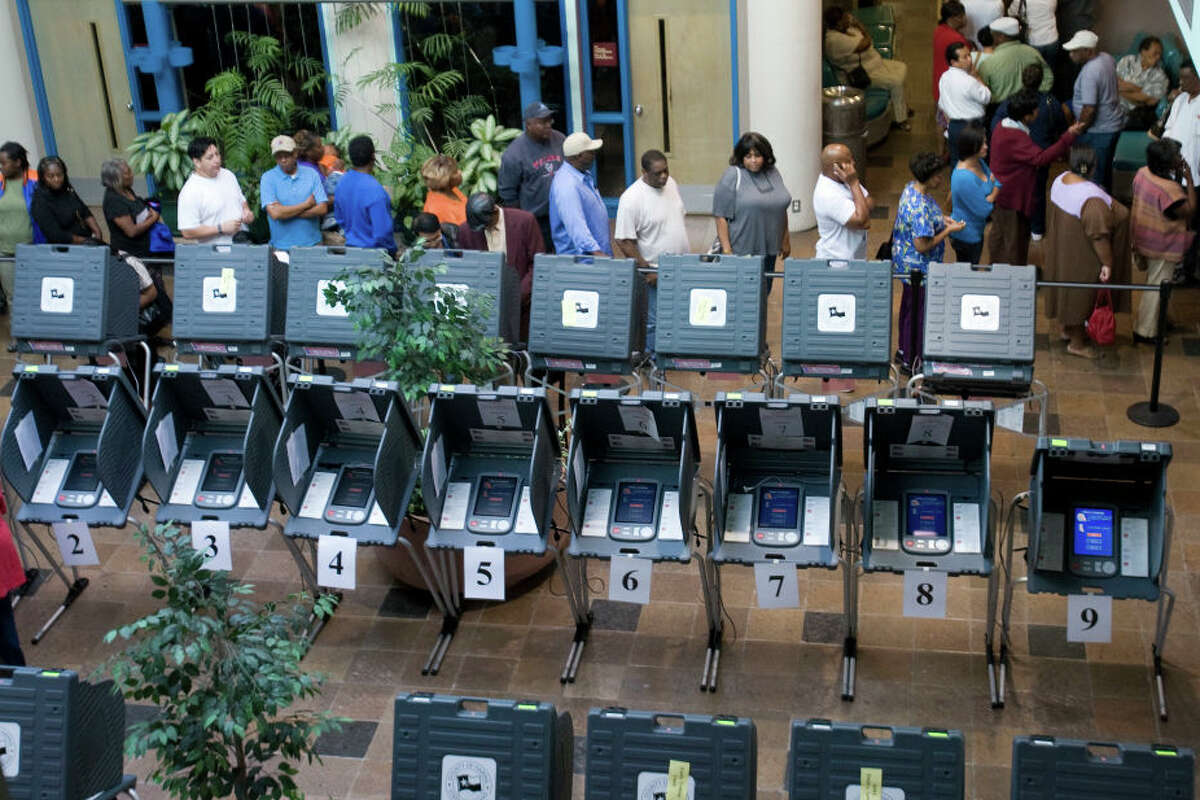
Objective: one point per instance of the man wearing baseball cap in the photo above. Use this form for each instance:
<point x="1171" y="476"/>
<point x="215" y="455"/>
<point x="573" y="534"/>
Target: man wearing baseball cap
<point x="528" y="164"/>
<point x="578" y="218"/>
<point x="293" y="197"/>
<point x="506" y="230"/>
<point x="1001" y="71"/>
<point x="1097" y="101"/>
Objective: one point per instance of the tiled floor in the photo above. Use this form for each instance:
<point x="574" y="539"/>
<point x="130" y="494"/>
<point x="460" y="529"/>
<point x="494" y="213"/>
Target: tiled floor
<point x="777" y="665"/>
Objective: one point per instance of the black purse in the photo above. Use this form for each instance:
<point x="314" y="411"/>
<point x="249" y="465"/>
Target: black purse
<point x="858" y="77"/>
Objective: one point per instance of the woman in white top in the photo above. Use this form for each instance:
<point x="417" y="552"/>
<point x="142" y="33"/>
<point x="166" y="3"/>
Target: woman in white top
<point x="848" y="46"/>
<point x="1038" y="18"/>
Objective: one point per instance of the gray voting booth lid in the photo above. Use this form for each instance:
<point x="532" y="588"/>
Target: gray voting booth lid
<point x="836" y="313"/>
<point x="228" y="293"/>
<point x="62" y="738"/>
<point x="75" y="293"/>
<point x="1046" y="768"/>
<point x="310" y="318"/>
<point x="980" y="313"/>
<point x="584" y="308"/>
<point x="825" y="760"/>
<point x="711" y="308"/>
<point x="1129" y="476"/>
<point x="484" y="272"/>
<point x="629" y="754"/>
<point x="447" y="747"/>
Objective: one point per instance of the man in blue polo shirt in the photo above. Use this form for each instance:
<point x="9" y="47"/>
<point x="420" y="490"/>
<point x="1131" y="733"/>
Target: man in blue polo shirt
<point x="293" y="197"/>
<point x="361" y="205"/>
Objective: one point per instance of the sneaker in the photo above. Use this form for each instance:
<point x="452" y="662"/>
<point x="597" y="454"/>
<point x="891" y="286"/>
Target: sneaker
<point x="1036" y="237"/>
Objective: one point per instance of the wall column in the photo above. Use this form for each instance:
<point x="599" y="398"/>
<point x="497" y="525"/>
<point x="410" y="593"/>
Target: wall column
<point x="358" y="52"/>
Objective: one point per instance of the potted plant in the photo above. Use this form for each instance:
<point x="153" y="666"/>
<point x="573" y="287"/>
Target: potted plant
<point x="480" y="161"/>
<point x="162" y="156"/>
<point x="224" y="673"/>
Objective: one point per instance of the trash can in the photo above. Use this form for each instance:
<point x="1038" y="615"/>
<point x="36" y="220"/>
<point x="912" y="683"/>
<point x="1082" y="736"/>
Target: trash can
<point x="844" y="121"/>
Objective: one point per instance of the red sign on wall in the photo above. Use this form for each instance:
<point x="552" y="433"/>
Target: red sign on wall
<point x="604" y="54"/>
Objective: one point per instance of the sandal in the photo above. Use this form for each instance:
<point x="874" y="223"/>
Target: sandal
<point x="1086" y="351"/>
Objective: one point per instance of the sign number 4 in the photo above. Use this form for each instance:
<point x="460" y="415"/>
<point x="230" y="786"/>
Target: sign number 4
<point x="336" y="562"/>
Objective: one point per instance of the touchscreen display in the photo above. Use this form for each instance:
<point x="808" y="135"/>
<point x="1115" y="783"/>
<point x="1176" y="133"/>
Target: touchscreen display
<point x="354" y="487"/>
<point x="222" y="474"/>
<point x="927" y="515"/>
<point x="82" y="477"/>
<point x="635" y="503"/>
<point x="778" y="507"/>
<point x="495" y="498"/>
<point x="1094" y="532"/>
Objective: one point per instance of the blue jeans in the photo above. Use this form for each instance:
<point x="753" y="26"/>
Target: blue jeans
<point x="1105" y="145"/>
<point x="956" y="127"/>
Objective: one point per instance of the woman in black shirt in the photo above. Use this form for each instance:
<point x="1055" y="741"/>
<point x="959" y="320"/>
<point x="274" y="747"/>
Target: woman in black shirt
<point x="129" y="217"/>
<point x="57" y="209"/>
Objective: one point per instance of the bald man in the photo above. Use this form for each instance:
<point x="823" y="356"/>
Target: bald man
<point x="842" y="205"/>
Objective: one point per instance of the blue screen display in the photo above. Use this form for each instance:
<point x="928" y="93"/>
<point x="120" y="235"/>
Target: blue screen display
<point x="927" y="515"/>
<point x="1094" y="532"/>
<point x="778" y="508"/>
<point x="635" y="503"/>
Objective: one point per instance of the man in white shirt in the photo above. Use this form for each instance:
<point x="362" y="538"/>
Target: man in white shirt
<point x="649" y="224"/>
<point x="1183" y="123"/>
<point x="980" y="14"/>
<point x="212" y="207"/>
<point x="842" y="205"/>
<point x="962" y="95"/>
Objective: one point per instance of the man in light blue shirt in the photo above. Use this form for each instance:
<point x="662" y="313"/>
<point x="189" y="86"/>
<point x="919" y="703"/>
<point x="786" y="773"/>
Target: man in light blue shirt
<point x="293" y="197"/>
<point x="578" y="218"/>
<point x="1097" y="102"/>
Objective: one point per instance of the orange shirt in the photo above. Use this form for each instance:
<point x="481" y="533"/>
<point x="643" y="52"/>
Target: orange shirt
<point x="445" y="209"/>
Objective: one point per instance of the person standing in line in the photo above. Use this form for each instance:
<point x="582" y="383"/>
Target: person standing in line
<point x="973" y="190"/>
<point x="129" y="217"/>
<point x="650" y="222"/>
<point x="1164" y="199"/>
<point x="980" y="14"/>
<point x="17" y="185"/>
<point x="750" y="203"/>
<point x="578" y="217"/>
<point x="57" y="208"/>
<point x="1041" y="28"/>
<point x="1097" y="101"/>
<point x="443" y="198"/>
<point x="293" y="197"/>
<point x="361" y="205"/>
<point x="1002" y="70"/>
<point x="948" y="32"/>
<point x="527" y="167"/>
<point x="964" y="97"/>
<point x="1183" y="123"/>
<point x="505" y="230"/>
<point x="842" y="206"/>
<point x="212" y="207"/>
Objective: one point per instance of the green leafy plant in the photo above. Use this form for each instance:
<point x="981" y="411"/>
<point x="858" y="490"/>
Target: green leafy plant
<point x="480" y="160"/>
<point x="224" y="673"/>
<point x="162" y="153"/>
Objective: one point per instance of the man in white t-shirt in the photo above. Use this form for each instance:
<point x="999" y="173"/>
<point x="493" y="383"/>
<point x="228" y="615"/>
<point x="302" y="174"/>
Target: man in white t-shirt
<point x="842" y="205"/>
<point x="980" y="14"/>
<point x="650" y="223"/>
<point x="212" y="207"/>
<point x="1183" y="123"/>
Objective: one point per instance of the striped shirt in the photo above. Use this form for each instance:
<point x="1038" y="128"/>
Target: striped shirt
<point x="1156" y="235"/>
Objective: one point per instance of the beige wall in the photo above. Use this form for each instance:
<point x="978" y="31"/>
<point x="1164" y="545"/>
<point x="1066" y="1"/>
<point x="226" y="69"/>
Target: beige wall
<point x="1118" y="20"/>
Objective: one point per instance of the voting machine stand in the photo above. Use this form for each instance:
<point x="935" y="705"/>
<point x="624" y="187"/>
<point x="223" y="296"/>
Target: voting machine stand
<point x="837" y="323"/>
<point x="926" y="502"/>
<point x="778" y="497"/>
<point x="1098" y="523"/>
<point x="451" y="746"/>
<point x="630" y="755"/>
<point x="66" y="453"/>
<point x="631" y="493"/>
<point x="230" y="302"/>
<point x="489" y="475"/>
<point x="208" y="444"/>
<point x="711" y="317"/>
<point x="77" y="301"/>
<point x="827" y="759"/>
<point x="587" y="316"/>
<point x="345" y="464"/>
<point x="1045" y="768"/>
<point x="979" y="339"/>
<point x="61" y="738"/>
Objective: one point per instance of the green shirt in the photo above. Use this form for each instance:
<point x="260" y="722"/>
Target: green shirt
<point x="1001" y="71"/>
<point x="15" y="226"/>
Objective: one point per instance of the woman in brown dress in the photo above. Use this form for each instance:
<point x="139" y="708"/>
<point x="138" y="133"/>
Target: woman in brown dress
<point x="1087" y="239"/>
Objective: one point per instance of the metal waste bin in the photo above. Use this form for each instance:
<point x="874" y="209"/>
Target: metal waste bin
<point x="844" y="121"/>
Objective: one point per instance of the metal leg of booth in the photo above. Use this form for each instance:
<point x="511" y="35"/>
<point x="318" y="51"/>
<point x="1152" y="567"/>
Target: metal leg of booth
<point x="1010" y="580"/>
<point x="1166" y="607"/>
<point x="442" y="580"/>
<point x="281" y="363"/>
<point x="574" y="574"/>
<point x="710" y="588"/>
<point x="308" y="577"/>
<point x="75" y="584"/>
<point x="995" y="692"/>
<point x="850" y="550"/>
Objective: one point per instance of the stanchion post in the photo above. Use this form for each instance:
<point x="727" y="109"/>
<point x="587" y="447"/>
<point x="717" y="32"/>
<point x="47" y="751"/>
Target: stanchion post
<point x="1154" y="414"/>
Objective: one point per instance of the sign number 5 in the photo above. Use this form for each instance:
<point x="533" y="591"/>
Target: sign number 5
<point x="483" y="573"/>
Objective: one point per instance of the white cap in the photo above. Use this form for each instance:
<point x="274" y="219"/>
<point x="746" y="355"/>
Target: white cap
<point x="1081" y="40"/>
<point x="1006" y="25"/>
<point x="580" y="142"/>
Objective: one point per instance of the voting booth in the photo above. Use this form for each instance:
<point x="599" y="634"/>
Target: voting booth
<point x="711" y="313"/>
<point x="209" y="442"/>
<point x="61" y="738"/>
<point x="835" y="759"/>
<point x="489" y="474"/>
<point x="445" y="746"/>
<point x="314" y="327"/>
<point x="1046" y="768"/>
<point x="230" y="299"/>
<point x="484" y="272"/>
<point x="643" y="754"/>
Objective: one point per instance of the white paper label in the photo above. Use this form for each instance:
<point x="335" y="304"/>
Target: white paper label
<point x="10" y="749"/>
<point x="1135" y="547"/>
<point x="525" y="523"/>
<point x="629" y="579"/>
<point x="930" y="429"/>
<point x="885" y="525"/>
<point x="75" y="544"/>
<point x="670" y="528"/>
<point x="738" y="510"/>
<point x="924" y="593"/>
<point x="483" y="573"/>
<point x="854" y="792"/>
<point x="595" y="512"/>
<point x="323" y="307"/>
<point x="580" y="309"/>
<point x="1089" y="618"/>
<point x="638" y="419"/>
<point x="468" y="778"/>
<point x="219" y="295"/>
<point x="816" y="521"/>
<point x="437" y="463"/>
<point x="211" y="537"/>
<point x="499" y="413"/>
<point x="454" y="506"/>
<point x="1050" y="549"/>
<point x="980" y="312"/>
<point x="317" y="495"/>
<point x="356" y="406"/>
<point x="85" y="393"/>
<point x="297" y="453"/>
<point x="776" y="585"/>
<point x="781" y="423"/>
<point x="106" y="500"/>
<point x="247" y="499"/>
<point x="706" y="308"/>
<point x="968" y="536"/>
<point x="49" y="481"/>
<point x="1012" y="417"/>
<point x="653" y="786"/>
<point x="337" y="558"/>
<point x="836" y="313"/>
<point x="29" y="441"/>
<point x="857" y="412"/>
<point x="186" y="482"/>
<point x="168" y="445"/>
<point x="578" y="469"/>
<point x="225" y="392"/>
<point x="240" y="416"/>
<point x="377" y="517"/>
<point x="58" y="295"/>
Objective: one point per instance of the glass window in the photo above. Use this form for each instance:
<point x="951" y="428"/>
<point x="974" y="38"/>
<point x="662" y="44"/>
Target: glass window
<point x="610" y="161"/>
<point x="604" y="54"/>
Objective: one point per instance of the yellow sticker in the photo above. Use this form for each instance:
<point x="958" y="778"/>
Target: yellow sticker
<point x="677" y="779"/>
<point x="171" y="368"/>
<point x="568" y="313"/>
<point x="32" y="368"/>
<point x="306" y="378"/>
<point x="226" y="279"/>
<point x="701" y="306"/>
<point x="870" y="783"/>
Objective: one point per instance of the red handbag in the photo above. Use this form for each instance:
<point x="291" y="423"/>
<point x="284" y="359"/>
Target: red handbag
<point x="1102" y="324"/>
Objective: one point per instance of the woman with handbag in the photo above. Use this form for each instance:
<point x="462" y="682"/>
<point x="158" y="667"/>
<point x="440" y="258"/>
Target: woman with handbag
<point x="1087" y="239"/>
<point x="848" y="48"/>
<point x="750" y="203"/>
<point x="130" y="218"/>
<point x="57" y="209"/>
